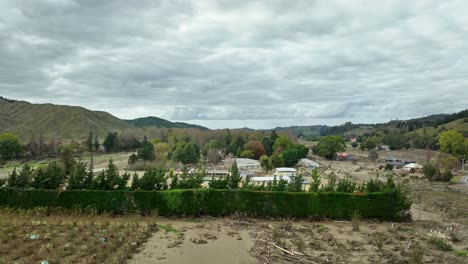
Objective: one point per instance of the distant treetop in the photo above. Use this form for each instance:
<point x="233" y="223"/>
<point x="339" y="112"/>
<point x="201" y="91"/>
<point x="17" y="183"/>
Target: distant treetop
<point x="8" y="100"/>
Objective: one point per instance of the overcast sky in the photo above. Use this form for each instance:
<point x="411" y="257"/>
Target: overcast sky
<point x="237" y="63"/>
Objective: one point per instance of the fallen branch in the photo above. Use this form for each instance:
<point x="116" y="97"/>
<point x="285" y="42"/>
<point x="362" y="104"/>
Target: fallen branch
<point x="240" y="222"/>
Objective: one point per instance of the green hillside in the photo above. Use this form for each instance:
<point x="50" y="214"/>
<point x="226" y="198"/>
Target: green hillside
<point x="460" y="125"/>
<point x="69" y="122"/>
<point x="152" y="121"/>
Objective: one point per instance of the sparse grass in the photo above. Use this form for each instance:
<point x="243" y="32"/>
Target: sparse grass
<point x="31" y="236"/>
<point x="299" y="243"/>
<point x="461" y="253"/>
<point x="169" y="228"/>
<point x="322" y="228"/>
<point x="378" y="240"/>
<point x="355" y="220"/>
<point x="276" y="234"/>
<point x="416" y="254"/>
<point x="439" y="243"/>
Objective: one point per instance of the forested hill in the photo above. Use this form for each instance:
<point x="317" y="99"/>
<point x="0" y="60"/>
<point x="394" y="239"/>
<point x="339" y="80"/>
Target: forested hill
<point x="66" y="122"/>
<point x="152" y="121"/>
<point x="437" y="121"/>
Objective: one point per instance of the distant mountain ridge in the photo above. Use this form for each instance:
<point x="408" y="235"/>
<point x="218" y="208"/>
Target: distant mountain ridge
<point x="68" y="122"/>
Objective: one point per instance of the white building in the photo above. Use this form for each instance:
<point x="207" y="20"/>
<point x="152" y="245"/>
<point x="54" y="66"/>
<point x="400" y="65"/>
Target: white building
<point x="281" y="171"/>
<point x="244" y="164"/>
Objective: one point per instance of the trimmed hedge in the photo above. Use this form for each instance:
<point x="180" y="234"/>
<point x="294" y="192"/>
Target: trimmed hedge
<point x="385" y="205"/>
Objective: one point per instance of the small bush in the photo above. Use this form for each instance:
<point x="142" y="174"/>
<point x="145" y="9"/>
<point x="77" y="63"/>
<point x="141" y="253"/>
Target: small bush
<point x="299" y="244"/>
<point x="446" y="176"/>
<point x="378" y="240"/>
<point x="440" y="243"/>
<point x="430" y="171"/>
<point x="388" y="167"/>
<point x="416" y="254"/>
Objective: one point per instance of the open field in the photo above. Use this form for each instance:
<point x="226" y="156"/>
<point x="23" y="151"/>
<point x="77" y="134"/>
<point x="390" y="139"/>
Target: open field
<point x="33" y="236"/>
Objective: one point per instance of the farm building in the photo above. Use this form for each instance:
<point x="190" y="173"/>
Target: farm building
<point x="244" y="164"/>
<point x="308" y="163"/>
<point x="285" y="172"/>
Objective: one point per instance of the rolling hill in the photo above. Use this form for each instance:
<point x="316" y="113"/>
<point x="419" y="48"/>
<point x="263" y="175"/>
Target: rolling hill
<point x="460" y="125"/>
<point x="68" y="122"/>
<point x="152" y="121"/>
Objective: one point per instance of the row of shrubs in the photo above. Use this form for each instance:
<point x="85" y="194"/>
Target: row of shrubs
<point x="80" y="177"/>
<point x="390" y="204"/>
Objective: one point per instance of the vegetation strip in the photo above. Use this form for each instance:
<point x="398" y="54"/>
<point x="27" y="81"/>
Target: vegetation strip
<point x="389" y="204"/>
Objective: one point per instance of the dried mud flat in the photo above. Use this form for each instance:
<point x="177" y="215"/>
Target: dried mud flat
<point x="272" y="241"/>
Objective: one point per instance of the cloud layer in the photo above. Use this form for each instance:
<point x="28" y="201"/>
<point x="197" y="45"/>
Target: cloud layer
<point x="237" y="63"/>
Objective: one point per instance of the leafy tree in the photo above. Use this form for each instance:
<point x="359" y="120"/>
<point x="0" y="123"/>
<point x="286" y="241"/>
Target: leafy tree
<point x="161" y="150"/>
<point x="24" y="178"/>
<point x="109" y="179"/>
<point x="293" y="153"/>
<point x="445" y="176"/>
<point x="281" y="143"/>
<point x="452" y="142"/>
<point x="123" y="181"/>
<point x="273" y="136"/>
<point x="277" y="160"/>
<point x="235" y="177"/>
<point x="256" y="147"/>
<point x="153" y="179"/>
<point x="187" y="153"/>
<point x="135" y="182"/>
<point x="354" y="144"/>
<point x="265" y="163"/>
<point x="248" y="154"/>
<point x="9" y="146"/>
<point x="191" y="154"/>
<point x="268" y="145"/>
<point x="12" y="179"/>
<point x="296" y="183"/>
<point x="146" y="152"/>
<point x="66" y="158"/>
<point x="236" y="146"/>
<point x="111" y="143"/>
<point x="331" y="185"/>
<point x="78" y="176"/>
<point x="132" y="159"/>
<point x="430" y="171"/>
<point x="50" y="178"/>
<point x="328" y="146"/>
<point x="89" y="141"/>
<point x="188" y="181"/>
<point x="369" y="143"/>
<point x="215" y="144"/>
<point x="346" y="185"/>
<point x="396" y="141"/>
<point x="282" y="185"/>
<point x="450" y="163"/>
<point x="316" y="181"/>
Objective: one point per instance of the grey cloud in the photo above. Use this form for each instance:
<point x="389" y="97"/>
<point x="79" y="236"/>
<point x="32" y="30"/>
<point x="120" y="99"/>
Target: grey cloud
<point x="222" y="63"/>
